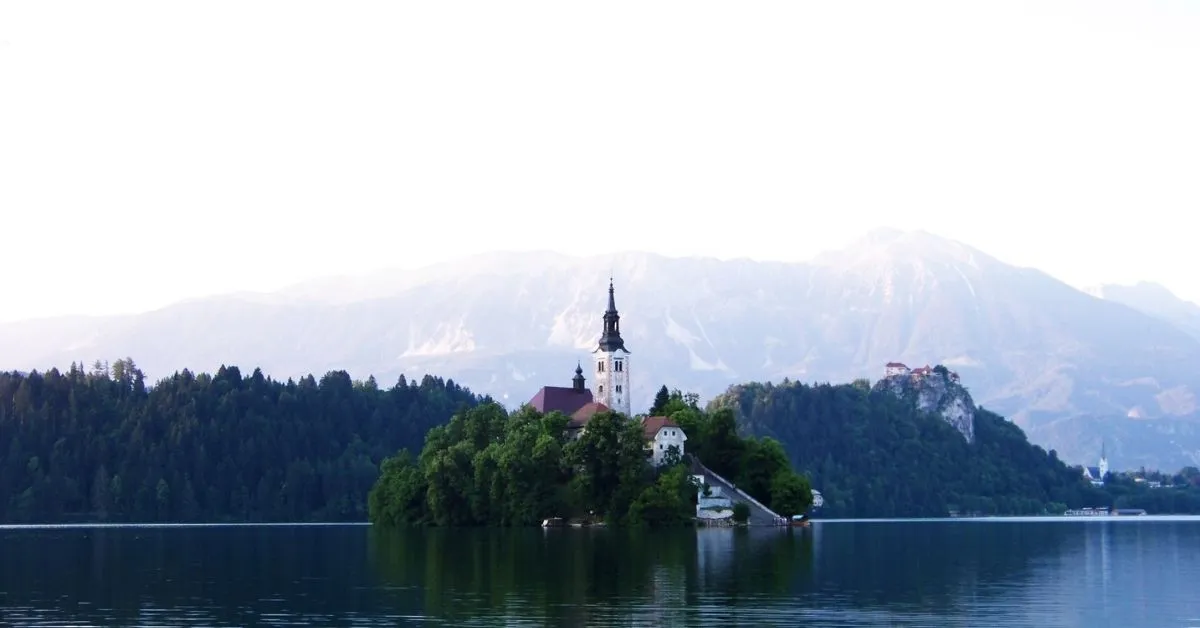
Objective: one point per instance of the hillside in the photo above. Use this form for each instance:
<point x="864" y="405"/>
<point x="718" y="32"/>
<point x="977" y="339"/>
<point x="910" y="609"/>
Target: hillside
<point x="879" y="453"/>
<point x="1155" y="300"/>
<point x="105" y="446"/>
<point x="1034" y="349"/>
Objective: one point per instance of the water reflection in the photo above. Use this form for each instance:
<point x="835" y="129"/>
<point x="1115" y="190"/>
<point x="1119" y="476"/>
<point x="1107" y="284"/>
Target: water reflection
<point x="949" y="573"/>
<point x="590" y="576"/>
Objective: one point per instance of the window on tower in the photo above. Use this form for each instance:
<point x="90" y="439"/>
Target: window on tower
<point x="618" y="388"/>
<point x="600" y="367"/>
<point x="617" y="366"/>
<point x="601" y="391"/>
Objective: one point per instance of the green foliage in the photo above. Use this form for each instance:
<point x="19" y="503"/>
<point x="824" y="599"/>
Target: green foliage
<point x="1176" y="495"/>
<point x="754" y="464"/>
<point x="670" y="501"/>
<point x="872" y="455"/>
<point x="791" y="494"/>
<point x="487" y="468"/>
<point x="99" y="445"/>
<point x="661" y="399"/>
<point x="741" y="512"/>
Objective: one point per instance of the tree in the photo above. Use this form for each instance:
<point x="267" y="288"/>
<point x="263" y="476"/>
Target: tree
<point x="163" y="497"/>
<point x="720" y="446"/>
<point x="672" y="457"/>
<point x="741" y="512"/>
<point x="101" y="494"/>
<point x="790" y="493"/>
<point x="661" y="399"/>
<point x="667" y="502"/>
<point x="227" y="448"/>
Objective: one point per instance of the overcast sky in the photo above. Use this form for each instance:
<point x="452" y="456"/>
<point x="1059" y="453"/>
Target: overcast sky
<point x="155" y="151"/>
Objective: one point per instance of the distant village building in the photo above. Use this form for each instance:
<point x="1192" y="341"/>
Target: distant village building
<point x="1096" y="474"/>
<point x="610" y="391"/>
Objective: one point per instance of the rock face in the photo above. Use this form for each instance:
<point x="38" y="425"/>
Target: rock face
<point x="936" y="391"/>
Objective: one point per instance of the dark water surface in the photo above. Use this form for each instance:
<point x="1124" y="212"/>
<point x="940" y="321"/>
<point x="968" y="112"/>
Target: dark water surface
<point x="1079" y="572"/>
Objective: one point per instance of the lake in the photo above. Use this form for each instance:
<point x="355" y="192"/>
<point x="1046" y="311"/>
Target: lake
<point x="1004" y="572"/>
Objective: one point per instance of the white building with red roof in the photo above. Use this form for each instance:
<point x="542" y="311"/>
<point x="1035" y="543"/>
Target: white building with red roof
<point x="661" y="435"/>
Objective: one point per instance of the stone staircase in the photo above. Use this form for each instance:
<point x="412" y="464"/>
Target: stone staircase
<point x="760" y="515"/>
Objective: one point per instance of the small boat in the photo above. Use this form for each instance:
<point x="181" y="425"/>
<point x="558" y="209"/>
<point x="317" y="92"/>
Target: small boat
<point x="553" y="522"/>
<point x="800" y="521"/>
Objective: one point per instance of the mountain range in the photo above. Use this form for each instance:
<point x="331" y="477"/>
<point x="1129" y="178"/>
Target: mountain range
<point x="1111" y="365"/>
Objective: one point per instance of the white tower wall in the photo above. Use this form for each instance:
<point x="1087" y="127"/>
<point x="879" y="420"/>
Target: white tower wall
<point x="610" y="380"/>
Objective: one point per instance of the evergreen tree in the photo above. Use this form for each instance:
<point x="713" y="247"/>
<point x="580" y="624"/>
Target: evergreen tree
<point x="661" y="399"/>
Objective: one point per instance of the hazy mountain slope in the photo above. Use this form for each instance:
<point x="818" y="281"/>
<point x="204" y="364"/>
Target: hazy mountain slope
<point x="504" y="324"/>
<point x="1156" y="300"/>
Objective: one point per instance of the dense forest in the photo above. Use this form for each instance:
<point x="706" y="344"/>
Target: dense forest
<point x="872" y="454"/>
<point x="489" y="467"/>
<point x="102" y="445"/>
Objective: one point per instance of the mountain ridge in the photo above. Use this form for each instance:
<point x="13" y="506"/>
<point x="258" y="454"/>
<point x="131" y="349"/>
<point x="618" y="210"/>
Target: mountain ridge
<point x="1031" y="347"/>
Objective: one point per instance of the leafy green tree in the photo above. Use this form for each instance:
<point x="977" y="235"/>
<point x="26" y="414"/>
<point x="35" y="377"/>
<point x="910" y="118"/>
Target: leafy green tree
<point x="741" y="512"/>
<point x="790" y="493"/>
<point x="670" y="501"/>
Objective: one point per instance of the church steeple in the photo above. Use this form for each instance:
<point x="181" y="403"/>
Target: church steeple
<point x="610" y="380"/>
<point x="577" y="381"/>
<point x="610" y="338"/>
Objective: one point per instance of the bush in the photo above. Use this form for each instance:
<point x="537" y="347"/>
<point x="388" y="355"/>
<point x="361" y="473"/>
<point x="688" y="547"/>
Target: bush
<point x="741" y="512"/>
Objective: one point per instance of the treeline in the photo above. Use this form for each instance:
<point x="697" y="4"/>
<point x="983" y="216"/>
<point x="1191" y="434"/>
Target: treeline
<point x="487" y="467"/>
<point x="874" y="455"/>
<point x="102" y="445"/>
<point x="1176" y="494"/>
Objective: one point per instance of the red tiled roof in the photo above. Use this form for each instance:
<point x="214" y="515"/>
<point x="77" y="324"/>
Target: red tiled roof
<point x="581" y="416"/>
<point x="895" y="364"/>
<point x="652" y="424"/>
<point x="560" y="399"/>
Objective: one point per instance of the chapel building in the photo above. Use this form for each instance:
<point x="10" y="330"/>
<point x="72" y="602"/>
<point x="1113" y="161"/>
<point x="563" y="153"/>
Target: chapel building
<point x="610" y="390"/>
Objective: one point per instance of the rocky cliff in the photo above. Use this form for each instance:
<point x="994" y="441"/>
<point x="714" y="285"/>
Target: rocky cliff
<point x="936" y="391"/>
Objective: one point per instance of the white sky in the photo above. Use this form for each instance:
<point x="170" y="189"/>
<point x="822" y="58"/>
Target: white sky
<point x="156" y="151"/>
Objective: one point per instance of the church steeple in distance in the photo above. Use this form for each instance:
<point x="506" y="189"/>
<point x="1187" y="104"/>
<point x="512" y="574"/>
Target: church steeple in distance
<point x="610" y="338"/>
<point x="610" y="381"/>
<point x="578" y="379"/>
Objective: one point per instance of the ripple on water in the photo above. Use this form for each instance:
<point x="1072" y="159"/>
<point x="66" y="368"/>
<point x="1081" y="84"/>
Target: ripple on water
<point x="836" y="574"/>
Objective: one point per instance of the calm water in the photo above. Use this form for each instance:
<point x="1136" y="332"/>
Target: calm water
<point x="944" y="573"/>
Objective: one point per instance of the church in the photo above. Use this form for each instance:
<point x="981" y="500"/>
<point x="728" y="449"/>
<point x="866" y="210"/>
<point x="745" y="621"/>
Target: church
<point x="1096" y="474"/>
<point x="610" y="391"/>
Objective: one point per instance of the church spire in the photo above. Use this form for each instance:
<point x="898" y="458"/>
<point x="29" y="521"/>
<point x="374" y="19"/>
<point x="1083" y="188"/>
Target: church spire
<point x="610" y="338"/>
<point x="578" y="379"/>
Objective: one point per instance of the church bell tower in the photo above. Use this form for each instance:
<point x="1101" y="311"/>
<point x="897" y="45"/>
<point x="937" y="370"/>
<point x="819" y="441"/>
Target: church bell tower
<point x="610" y="386"/>
<point x="1103" y="466"/>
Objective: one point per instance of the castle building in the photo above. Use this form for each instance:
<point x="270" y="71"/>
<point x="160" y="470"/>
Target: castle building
<point x="893" y="369"/>
<point x="611" y="383"/>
